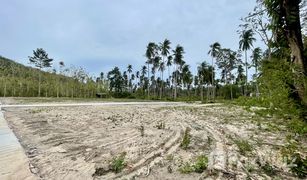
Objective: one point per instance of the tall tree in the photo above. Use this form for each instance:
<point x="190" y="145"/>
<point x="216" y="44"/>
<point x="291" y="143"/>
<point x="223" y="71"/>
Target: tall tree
<point x="214" y="52"/>
<point x="256" y="57"/>
<point x="245" y="43"/>
<point x="204" y="72"/>
<point x="41" y="60"/>
<point x="116" y="80"/>
<point x="228" y="61"/>
<point x="129" y="70"/>
<point x="286" y="25"/>
<point x="178" y="61"/>
<point x="165" y="48"/>
<point x="150" y="54"/>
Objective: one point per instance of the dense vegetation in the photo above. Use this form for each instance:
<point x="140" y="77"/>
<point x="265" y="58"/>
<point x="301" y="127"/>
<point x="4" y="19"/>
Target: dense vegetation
<point x="21" y="81"/>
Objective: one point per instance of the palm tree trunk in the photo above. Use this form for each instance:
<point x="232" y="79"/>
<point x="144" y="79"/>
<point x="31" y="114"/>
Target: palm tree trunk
<point x="231" y="96"/>
<point x="201" y="93"/>
<point x="161" y="86"/>
<point x="246" y="78"/>
<point x="175" y="84"/>
<point x="257" y="87"/>
<point x="148" y="81"/>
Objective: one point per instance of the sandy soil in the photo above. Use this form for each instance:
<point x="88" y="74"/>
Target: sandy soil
<point x="80" y="142"/>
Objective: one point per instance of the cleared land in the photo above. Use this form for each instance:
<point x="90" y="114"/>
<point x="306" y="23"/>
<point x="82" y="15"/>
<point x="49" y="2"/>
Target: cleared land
<point x="89" y="142"/>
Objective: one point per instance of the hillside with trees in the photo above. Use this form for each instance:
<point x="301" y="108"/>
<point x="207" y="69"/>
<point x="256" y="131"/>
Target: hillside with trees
<point x="18" y="80"/>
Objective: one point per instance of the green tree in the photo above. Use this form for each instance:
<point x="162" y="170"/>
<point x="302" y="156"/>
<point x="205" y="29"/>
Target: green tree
<point x="178" y="61"/>
<point x="256" y="58"/>
<point x="187" y="77"/>
<point x="165" y="51"/>
<point x="204" y="72"/>
<point x="41" y="60"/>
<point x="129" y="70"/>
<point x="116" y="80"/>
<point x="214" y="52"/>
<point x="150" y="55"/>
<point x="286" y="26"/>
<point x="245" y="43"/>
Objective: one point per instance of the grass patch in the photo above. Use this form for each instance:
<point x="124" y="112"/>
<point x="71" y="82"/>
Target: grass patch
<point x="118" y="163"/>
<point x="186" y="139"/>
<point x="199" y="165"/>
<point x="186" y="168"/>
<point x="244" y="146"/>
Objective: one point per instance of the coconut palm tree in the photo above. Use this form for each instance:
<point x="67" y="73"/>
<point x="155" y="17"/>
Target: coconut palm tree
<point x="178" y="61"/>
<point x="137" y="75"/>
<point x="165" y="48"/>
<point x="256" y="57"/>
<point x="204" y="76"/>
<point x="142" y="77"/>
<point x="187" y="77"/>
<point x="161" y="69"/>
<point x="245" y="43"/>
<point x="150" y="54"/>
<point x="129" y="70"/>
<point x="214" y="52"/>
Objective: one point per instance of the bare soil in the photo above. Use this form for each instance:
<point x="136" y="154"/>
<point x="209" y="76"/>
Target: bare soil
<point x="81" y="142"/>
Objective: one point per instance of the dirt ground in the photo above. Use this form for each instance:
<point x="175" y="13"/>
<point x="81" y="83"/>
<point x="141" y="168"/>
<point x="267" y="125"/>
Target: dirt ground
<point x="81" y="142"/>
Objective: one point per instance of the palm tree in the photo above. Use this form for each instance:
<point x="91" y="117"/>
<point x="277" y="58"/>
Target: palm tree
<point x="256" y="57"/>
<point x="165" y="48"/>
<point x="150" y="54"/>
<point x="129" y="70"/>
<point x="161" y="69"/>
<point x="178" y="60"/>
<point x="204" y="76"/>
<point x="169" y="64"/>
<point x="142" y="77"/>
<point x="137" y="75"/>
<point x="187" y="77"/>
<point x="245" y="43"/>
<point x="214" y="52"/>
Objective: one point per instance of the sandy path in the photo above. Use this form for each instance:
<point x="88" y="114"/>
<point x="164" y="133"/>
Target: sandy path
<point x="13" y="162"/>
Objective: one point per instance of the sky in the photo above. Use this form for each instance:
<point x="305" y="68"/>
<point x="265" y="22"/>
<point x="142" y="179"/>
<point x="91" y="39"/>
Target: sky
<point x="101" y="34"/>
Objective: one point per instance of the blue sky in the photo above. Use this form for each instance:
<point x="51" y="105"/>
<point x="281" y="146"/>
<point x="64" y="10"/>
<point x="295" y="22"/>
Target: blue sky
<point x="101" y="34"/>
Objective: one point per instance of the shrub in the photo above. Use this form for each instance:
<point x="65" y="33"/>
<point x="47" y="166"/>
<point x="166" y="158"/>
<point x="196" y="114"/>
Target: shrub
<point x="268" y="169"/>
<point x="201" y="164"/>
<point x="118" y="163"/>
<point x="186" y="168"/>
<point x="186" y="139"/>
<point x="244" y="146"/>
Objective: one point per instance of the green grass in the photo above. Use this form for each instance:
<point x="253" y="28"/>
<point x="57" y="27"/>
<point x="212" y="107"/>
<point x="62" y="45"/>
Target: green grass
<point x="186" y="139"/>
<point x="186" y="168"/>
<point x="118" y="163"/>
<point x="201" y="164"/>
<point x="198" y="166"/>
<point x="244" y="146"/>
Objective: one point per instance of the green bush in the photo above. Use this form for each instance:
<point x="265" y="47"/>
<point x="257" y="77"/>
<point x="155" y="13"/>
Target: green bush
<point x="186" y="168"/>
<point x="118" y="163"/>
<point x="186" y="139"/>
<point x="298" y="165"/>
<point x="201" y="164"/>
<point x="244" y="146"/>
